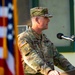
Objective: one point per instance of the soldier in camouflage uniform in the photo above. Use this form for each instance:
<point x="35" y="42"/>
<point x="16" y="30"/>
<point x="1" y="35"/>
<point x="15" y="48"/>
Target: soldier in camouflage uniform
<point x="38" y="53"/>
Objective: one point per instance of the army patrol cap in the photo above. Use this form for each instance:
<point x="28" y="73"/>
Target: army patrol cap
<point x="40" y="11"/>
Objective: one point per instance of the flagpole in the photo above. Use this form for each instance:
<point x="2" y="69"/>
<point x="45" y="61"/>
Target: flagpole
<point x="16" y="33"/>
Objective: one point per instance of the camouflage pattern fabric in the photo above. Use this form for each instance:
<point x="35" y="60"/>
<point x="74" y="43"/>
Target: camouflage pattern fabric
<point x="39" y="54"/>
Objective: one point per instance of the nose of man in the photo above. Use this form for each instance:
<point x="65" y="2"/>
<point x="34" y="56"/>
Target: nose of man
<point x="48" y="20"/>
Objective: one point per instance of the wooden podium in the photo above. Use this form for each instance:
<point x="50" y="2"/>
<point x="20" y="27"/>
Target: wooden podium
<point x="68" y="73"/>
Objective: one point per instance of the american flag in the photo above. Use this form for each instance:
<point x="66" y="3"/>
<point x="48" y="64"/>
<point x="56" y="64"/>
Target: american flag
<point x="10" y="62"/>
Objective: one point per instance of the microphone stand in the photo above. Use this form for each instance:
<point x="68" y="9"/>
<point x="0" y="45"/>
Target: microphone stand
<point x="73" y="37"/>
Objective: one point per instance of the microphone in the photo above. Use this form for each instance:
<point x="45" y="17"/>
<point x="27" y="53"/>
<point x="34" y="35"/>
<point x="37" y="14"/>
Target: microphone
<point x="61" y="36"/>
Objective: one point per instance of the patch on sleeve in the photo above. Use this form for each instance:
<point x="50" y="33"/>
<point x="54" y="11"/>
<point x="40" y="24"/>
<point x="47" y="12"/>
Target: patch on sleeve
<point x="22" y="43"/>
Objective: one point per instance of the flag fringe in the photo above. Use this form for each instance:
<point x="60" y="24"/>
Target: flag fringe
<point x="5" y="52"/>
<point x="1" y="71"/>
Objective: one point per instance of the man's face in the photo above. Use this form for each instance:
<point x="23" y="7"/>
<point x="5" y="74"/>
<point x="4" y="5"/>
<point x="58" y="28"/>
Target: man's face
<point x="43" y="23"/>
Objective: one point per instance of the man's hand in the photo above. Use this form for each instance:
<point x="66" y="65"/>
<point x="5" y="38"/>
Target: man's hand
<point x="54" y="72"/>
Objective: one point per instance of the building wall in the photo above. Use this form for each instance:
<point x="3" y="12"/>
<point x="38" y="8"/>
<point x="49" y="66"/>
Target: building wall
<point x="70" y="56"/>
<point x="23" y="11"/>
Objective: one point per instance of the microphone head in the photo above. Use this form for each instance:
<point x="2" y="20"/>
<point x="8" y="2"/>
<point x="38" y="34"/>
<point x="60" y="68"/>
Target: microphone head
<point x="59" y="35"/>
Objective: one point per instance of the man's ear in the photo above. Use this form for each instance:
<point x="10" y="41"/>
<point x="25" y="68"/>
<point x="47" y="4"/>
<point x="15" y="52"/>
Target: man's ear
<point x="37" y="20"/>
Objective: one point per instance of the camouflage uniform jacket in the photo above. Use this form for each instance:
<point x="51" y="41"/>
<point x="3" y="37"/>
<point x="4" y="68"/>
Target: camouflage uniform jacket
<point x="39" y="53"/>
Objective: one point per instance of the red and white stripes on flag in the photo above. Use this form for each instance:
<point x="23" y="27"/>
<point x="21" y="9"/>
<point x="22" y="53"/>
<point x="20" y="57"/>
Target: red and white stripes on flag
<point x="10" y="62"/>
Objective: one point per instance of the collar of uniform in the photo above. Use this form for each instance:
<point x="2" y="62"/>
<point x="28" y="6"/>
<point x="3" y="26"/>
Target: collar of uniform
<point x="38" y="36"/>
